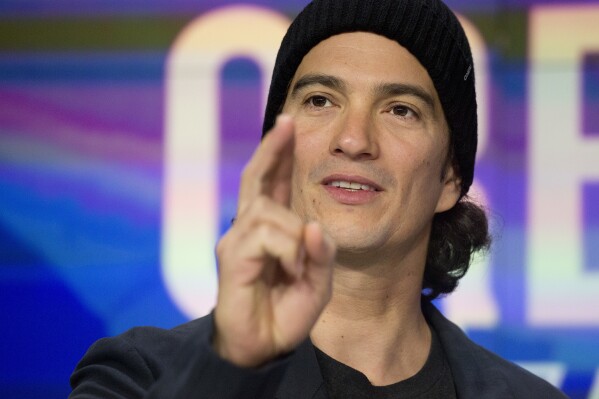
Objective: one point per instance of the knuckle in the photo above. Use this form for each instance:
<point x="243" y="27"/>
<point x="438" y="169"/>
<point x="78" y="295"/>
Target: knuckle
<point x="220" y="247"/>
<point x="259" y="206"/>
<point x="265" y="231"/>
<point x="248" y="170"/>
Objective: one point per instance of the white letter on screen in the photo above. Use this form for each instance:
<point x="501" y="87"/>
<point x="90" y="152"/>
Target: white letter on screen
<point x="561" y="160"/>
<point x="191" y="141"/>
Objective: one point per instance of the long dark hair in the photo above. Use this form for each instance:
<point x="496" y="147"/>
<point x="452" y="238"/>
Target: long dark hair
<point x="456" y="235"/>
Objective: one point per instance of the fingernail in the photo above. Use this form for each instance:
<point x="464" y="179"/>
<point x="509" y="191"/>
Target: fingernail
<point x="281" y="118"/>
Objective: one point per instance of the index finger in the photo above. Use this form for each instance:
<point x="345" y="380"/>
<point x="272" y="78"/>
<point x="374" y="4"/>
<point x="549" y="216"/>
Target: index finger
<point x="269" y="170"/>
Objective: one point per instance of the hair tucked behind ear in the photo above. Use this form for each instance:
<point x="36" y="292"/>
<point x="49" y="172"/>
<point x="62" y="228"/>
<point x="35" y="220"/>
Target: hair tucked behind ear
<point x="455" y="236"/>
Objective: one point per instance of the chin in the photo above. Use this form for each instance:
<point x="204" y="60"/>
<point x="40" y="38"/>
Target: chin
<point x="352" y="238"/>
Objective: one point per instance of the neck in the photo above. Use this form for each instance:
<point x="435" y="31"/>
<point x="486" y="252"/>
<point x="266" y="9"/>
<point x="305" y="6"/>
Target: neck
<point x="374" y="321"/>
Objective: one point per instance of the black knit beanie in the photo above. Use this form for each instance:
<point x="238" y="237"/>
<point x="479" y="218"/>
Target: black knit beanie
<point x="427" y="28"/>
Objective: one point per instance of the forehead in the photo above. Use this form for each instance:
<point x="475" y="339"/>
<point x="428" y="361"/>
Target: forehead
<point x="367" y="58"/>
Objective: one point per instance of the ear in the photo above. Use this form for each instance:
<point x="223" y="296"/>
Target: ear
<point x="450" y="192"/>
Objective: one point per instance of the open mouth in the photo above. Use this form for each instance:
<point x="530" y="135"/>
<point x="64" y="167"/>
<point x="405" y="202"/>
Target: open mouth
<point x="351" y="189"/>
<point x="351" y="183"/>
<point x="351" y="186"/>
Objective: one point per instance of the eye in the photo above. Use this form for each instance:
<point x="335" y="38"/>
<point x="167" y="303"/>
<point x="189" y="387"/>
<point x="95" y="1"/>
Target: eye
<point x="403" y="111"/>
<point x="318" y="102"/>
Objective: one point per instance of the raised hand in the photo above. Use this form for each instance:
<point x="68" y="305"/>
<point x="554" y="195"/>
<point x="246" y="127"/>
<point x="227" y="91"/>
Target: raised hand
<point x="275" y="271"/>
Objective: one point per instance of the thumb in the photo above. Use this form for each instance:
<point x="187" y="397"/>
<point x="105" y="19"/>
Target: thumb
<point x="319" y="246"/>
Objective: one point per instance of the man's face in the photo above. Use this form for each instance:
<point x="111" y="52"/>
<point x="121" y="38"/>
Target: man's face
<point x="371" y="146"/>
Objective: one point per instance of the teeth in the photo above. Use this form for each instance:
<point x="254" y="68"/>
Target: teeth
<point x="351" y="185"/>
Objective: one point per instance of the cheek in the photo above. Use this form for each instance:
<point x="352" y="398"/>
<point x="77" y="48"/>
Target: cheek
<point x="426" y="156"/>
<point x="410" y="159"/>
<point x="311" y="147"/>
<point x="417" y="168"/>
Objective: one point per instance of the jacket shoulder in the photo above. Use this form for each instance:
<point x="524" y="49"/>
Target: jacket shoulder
<point x="522" y="383"/>
<point x="129" y="363"/>
<point x="479" y="372"/>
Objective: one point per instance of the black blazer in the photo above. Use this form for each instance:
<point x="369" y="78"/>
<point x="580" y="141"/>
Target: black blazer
<point x="147" y="362"/>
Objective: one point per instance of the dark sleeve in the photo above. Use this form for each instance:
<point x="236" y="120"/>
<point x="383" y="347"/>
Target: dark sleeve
<point x="180" y="363"/>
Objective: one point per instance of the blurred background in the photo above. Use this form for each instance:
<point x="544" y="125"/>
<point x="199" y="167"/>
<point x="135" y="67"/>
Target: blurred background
<point x="124" y="125"/>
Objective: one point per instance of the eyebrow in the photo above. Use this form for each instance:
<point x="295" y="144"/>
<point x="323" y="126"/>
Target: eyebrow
<point x="383" y="89"/>
<point x="329" y="81"/>
<point x="402" y="89"/>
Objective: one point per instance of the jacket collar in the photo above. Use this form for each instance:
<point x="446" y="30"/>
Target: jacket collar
<point x="474" y="369"/>
<point x="303" y="379"/>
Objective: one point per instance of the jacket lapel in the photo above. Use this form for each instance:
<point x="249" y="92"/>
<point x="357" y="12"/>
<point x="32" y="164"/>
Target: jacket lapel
<point x="303" y="379"/>
<point x="474" y="372"/>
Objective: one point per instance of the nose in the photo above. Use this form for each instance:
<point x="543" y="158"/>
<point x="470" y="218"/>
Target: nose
<point x="355" y="136"/>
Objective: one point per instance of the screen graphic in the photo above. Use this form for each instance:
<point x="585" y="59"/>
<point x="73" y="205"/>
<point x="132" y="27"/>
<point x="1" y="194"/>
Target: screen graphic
<point x="124" y="127"/>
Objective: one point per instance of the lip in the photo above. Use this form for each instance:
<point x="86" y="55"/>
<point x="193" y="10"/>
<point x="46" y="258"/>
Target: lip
<point x="349" y="197"/>
<point x="351" y="178"/>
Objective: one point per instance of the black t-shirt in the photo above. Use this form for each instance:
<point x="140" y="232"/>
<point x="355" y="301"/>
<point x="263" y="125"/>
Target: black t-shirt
<point x="433" y="381"/>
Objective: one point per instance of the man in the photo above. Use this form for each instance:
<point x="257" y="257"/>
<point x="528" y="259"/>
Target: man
<point x="352" y="216"/>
